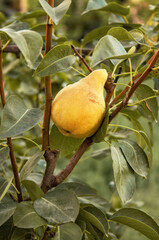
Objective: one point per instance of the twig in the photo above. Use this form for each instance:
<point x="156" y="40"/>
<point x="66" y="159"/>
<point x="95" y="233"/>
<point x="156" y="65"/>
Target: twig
<point x="48" y="90"/>
<point x="152" y="62"/>
<point x="48" y="234"/>
<point x="123" y="91"/>
<point x="72" y="163"/>
<point x="9" y="141"/>
<point x="82" y="59"/>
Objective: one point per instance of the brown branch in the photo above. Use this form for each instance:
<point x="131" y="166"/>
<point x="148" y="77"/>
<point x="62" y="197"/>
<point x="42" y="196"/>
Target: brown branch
<point x="51" y="159"/>
<point x="110" y="86"/>
<point x="14" y="49"/>
<point x="48" y="234"/>
<point x="56" y="180"/>
<point x="137" y="83"/>
<point x="48" y="90"/>
<point x="82" y="59"/>
<point x="123" y="91"/>
<point x="9" y="141"/>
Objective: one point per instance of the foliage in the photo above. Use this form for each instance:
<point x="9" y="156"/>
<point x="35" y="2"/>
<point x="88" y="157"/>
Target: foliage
<point x="73" y="209"/>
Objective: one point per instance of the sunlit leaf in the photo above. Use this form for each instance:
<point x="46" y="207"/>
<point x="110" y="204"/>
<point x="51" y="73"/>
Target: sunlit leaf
<point x="137" y="220"/>
<point x="94" y="5"/>
<point x="29" y="42"/>
<point x="58" y="59"/>
<point x="58" y="12"/>
<point x="108" y="47"/>
<point x="17" y="118"/>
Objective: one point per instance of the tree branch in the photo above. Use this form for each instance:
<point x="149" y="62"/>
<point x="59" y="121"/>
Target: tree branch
<point x="14" y="49"/>
<point x="135" y="84"/>
<point x="123" y="91"/>
<point x="56" y="180"/>
<point x="82" y="59"/>
<point x="9" y="141"/>
<point x="51" y="159"/>
<point x="48" y="90"/>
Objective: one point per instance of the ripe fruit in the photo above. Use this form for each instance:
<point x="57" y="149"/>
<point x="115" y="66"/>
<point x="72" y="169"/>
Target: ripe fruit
<point x="79" y="108"/>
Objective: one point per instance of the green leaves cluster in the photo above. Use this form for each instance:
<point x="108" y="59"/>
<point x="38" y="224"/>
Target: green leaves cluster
<point x="77" y="215"/>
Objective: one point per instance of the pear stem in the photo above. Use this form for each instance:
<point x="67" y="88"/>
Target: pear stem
<point x="82" y="59"/>
<point x="9" y="140"/>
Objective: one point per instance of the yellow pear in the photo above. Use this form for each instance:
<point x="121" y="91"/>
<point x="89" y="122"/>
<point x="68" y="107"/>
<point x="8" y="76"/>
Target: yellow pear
<point x="79" y="108"/>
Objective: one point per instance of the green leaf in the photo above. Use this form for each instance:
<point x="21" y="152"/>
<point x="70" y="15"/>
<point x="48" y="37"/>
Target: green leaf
<point x="101" y="153"/>
<point x="108" y="47"/>
<point x="3" y="185"/>
<point x="21" y="234"/>
<point x="58" y="59"/>
<point x="150" y="111"/>
<point x="33" y="189"/>
<point x="26" y="217"/>
<point x="123" y="175"/>
<point x="80" y="189"/>
<point x="2" y="17"/>
<point x="7" y="209"/>
<point x="96" y="217"/>
<point x="95" y="201"/>
<point x="91" y="230"/>
<point x="135" y="156"/>
<point x="58" y="12"/>
<point x="30" y="164"/>
<point x="58" y="206"/>
<point x="116" y="8"/>
<point x="148" y="146"/>
<point x="29" y="42"/>
<point x="101" y="132"/>
<point x="94" y="5"/>
<point x="111" y="7"/>
<point x="66" y="145"/>
<point x="4" y="152"/>
<point x="95" y="34"/>
<point x="123" y="35"/>
<point x="137" y="220"/>
<point x="17" y="118"/>
<point x="33" y="14"/>
<point x="133" y="116"/>
<point x="68" y="231"/>
<point x="6" y="229"/>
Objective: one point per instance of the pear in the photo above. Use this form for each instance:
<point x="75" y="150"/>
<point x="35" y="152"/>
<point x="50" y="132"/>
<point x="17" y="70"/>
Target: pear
<point x="79" y="108"/>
